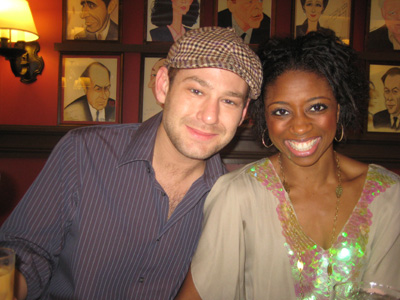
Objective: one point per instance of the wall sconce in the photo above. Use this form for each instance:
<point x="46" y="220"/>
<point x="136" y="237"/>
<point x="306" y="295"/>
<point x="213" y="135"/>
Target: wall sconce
<point x="17" y="26"/>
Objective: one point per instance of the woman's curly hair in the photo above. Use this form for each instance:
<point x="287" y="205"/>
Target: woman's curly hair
<point x="161" y="13"/>
<point x="325" y="56"/>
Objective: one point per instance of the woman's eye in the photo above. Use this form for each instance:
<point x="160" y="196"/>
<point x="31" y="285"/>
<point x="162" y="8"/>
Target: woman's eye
<point x="280" y="112"/>
<point x="318" y="107"/>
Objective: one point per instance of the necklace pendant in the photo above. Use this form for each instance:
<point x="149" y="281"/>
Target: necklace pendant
<point x="330" y="269"/>
<point x="339" y="191"/>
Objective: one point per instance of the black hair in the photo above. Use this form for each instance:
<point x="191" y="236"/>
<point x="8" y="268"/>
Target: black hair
<point x="325" y="56"/>
<point x="161" y="13"/>
<point x="324" y="3"/>
<point x="391" y="72"/>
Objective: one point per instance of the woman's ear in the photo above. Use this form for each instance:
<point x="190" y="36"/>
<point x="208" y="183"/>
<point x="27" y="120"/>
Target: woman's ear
<point x="162" y="84"/>
<point x="338" y="113"/>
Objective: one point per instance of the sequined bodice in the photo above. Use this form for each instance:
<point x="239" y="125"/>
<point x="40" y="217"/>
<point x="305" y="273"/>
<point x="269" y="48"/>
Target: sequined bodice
<point x="349" y="249"/>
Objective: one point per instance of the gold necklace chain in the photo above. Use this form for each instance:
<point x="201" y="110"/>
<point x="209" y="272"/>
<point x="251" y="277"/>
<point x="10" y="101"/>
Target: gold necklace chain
<point x="294" y="222"/>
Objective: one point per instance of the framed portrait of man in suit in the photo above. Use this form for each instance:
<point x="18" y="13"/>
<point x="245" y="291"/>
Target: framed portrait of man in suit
<point x="149" y="106"/>
<point x="324" y="16"/>
<point x="92" y="20"/>
<point x="251" y="19"/>
<point x="383" y="32"/>
<point x="90" y="90"/>
<point x="384" y="104"/>
<point x="168" y="20"/>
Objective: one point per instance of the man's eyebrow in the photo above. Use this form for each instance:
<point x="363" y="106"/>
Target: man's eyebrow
<point x="207" y="84"/>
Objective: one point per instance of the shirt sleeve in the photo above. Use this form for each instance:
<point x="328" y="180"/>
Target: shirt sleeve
<point x="384" y="262"/>
<point x="217" y="266"/>
<point x="38" y="226"/>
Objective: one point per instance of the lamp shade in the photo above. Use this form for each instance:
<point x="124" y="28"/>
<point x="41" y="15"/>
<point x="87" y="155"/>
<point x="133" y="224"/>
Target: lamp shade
<point x="16" y="21"/>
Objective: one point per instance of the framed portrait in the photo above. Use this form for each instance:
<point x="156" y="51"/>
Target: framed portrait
<point x="384" y="104"/>
<point x="253" y="18"/>
<point x="383" y="32"/>
<point x="149" y="105"/>
<point x="160" y="13"/>
<point x="324" y="16"/>
<point x="94" y="20"/>
<point x="90" y="90"/>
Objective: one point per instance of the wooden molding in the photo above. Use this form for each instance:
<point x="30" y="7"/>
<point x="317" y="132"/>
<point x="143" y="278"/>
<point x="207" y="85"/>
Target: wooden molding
<point x="38" y="141"/>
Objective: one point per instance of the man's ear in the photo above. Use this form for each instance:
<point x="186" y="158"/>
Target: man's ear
<point x="162" y="84"/>
<point x="229" y="4"/>
<point x="244" y="112"/>
<point x="111" y="6"/>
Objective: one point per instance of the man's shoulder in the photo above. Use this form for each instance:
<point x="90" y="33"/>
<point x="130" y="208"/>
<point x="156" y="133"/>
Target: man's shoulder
<point x="106" y="132"/>
<point x="378" y="39"/>
<point x="225" y="18"/>
<point x="78" y="101"/>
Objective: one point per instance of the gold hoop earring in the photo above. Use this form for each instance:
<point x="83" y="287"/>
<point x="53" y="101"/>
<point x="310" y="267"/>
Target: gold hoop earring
<point x="262" y="139"/>
<point x="341" y="136"/>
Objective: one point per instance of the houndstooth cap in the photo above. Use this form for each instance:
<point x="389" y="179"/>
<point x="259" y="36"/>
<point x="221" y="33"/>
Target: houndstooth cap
<point x="217" y="47"/>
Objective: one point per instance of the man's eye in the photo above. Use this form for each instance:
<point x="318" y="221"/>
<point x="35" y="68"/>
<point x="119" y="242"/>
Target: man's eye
<point x="196" y="92"/>
<point x="91" y="5"/>
<point x="230" y="102"/>
<point x="318" y="107"/>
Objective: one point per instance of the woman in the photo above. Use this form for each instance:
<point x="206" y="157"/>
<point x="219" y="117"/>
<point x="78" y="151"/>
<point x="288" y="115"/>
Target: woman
<point x="313" y="10"/>
<point x="170" y="16"/>
<point x="292" y="225"/>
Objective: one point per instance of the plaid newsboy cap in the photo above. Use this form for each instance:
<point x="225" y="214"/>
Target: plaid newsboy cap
<point x="217" y="47"/>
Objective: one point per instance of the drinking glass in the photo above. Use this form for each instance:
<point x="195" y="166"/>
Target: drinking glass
<point x="7" y="269"/>
<point x="364" y="291"/>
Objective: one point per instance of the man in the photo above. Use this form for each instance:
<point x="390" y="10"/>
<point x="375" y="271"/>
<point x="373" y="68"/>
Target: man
<point x="386" y="37"/>
<point x="96" y="105"/>
<point x="390" y="117"/>
<point x="116" y="212"/>
<point x="99" y="25"/>
<point x="248" y="20"/>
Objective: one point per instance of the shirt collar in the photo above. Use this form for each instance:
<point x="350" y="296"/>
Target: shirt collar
<point x="239" y="31"/>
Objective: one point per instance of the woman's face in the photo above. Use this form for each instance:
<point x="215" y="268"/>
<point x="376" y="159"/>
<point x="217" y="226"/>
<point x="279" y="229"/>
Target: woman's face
<point x="313" y="9"/>
<point x="181" y="7"/>
<point x="301" y="114"/>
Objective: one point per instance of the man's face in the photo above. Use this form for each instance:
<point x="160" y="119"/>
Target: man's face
<point x="391" y="14"/>
<point x="202" y="110"/>
<point x="392" y="94"/>
<point x="247" y="13"/>
<point x="95" y="14"/>
<point x="98" y="90"/>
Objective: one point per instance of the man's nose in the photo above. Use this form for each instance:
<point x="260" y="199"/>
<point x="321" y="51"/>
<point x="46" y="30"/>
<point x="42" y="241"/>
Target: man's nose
<point x="209" y="111"/>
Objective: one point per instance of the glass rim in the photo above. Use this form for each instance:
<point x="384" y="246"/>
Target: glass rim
<point x="371" y="283"/>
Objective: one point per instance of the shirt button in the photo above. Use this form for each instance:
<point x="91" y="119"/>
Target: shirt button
<point x="141" y="279"/>
<point x="148" y="170"/>
<point x="163" y="194"/>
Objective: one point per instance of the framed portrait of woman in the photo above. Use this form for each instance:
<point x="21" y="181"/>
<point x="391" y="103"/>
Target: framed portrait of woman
<point x="250" y="19"/>
<point x="91" y="20"/>
<point x="168" y="20"/>
<point x="384" y="103"/>
<point x="149" y="106"/>
<point x="383" y="32"/>
<point x="324" y="16"/>
<point x="90" y="90"/>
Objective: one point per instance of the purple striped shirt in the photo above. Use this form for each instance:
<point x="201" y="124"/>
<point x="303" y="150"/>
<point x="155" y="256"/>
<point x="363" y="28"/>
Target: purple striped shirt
<point x="94" y="223"/>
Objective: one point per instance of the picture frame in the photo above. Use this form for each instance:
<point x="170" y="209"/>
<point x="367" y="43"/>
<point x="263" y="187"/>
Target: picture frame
<point x="384" y="102"/>
<point x="336" y="16"/>
<point x="90" y="89"/>
<point x="148" y="102"/>
<point x="382" y="23"/>
<point x="92" y="21"/>
<point x="260" y="25"/>
<point x="159" y="18"/>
